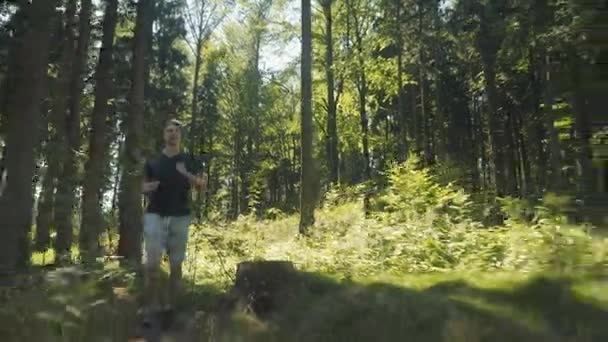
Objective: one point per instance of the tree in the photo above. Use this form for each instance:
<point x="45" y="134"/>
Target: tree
<point x="202" y="17"/>
<point x="332" y="98"/>
<point x="23" y="110"/>
<point x="307" y="181"/>
<point x="358" y="12"/>
<point x="65" y="199"/>
<point x="92" y="219"/>
<point x="56" y="148"/>
<point x="130" y="206"/>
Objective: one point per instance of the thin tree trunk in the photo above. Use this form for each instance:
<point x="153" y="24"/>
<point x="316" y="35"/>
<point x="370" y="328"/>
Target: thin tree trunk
<point x="92" y="219"/>
<point x="117" y="173"/>
<point x="23" y="110"/>
<point x="332" y="130"/>
<point x="364" y="124"/>
<point x="552" y="135"/>
<point x="426" y="134"/>
<point x="194" y="105"/>
<point x="511" y="156"/>
<point x="364" y="119"/>
<point x="130" y="206"/>
<point x="496" y="136"/>
<point x="235" y="210"/>
<point x="307" y="191"/>
<point x="582" y="130"/>
<point x="66" y="187"/>
<point x="526" y="187"/>
<point x="402" y="141"/>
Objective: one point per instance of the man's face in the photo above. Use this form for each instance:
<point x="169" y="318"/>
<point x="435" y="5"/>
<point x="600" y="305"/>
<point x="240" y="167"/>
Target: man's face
<point x="173" y="135"/>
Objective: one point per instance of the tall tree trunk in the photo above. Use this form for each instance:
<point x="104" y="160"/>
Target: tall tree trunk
<point x="556" y="182"/>
<point x="511" y="155"/>
<point x="196" y="132"/>
<point x="117" y="174"/>
<point x="66" y="187"/>
<point x="235" y="210"/>
<point x="402" y="140"/>
<point x="332" y="127"/>
<point x="582" y="129"/>
<point x="364" y="124"/>
<point x="92" y="219"/>
<point x="488" y="41"/>
<point x="526" y="187"/>
<point x="307" y="191"/>
<point x="201" y="37"/>
<point x="56" y="149"/>
<point x="130" y="204"/>
<point x="42" y="239"/>
<point x="424" y="115"/>
<point x="496" y="136"/>
<point x="364" y="119"/>
<point x="23" y="110"/>
<point x="194" y="105"/>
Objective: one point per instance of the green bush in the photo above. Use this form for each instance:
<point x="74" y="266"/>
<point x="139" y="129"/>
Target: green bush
<point x="418" y="225"/>
<point x="413" y="192"/>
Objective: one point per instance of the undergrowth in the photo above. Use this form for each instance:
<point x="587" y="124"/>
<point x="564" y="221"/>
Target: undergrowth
<point x="421" y="262"/>
<point x="415" y="225"/>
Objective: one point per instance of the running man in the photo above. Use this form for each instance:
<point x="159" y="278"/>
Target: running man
<point x="167" y="183"/>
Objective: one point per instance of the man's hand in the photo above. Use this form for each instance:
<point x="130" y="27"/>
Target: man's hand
<point x="150" y="186"/>
<point x="200" y="183"/>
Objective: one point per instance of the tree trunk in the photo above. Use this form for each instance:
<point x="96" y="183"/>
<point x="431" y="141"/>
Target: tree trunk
<point x="511" y="155"/>
<point x="66" y="187"/>
<point x="556" y="182"/>
<point x="194" y="105"/>
<point x="307" y="191"/>
<point x="42" y="239"/>
<point x="364" y="124"/>
<point x="496" y="136"/>
<point x="23" y="111"/>
<point x="402" y="140"/>
<point x="426" y="120"/>
<point x="56" y="149"/>
<point x="332" y="130"/>
<point x="364" y="119"/>
<point x="92" y="219"/>
<point x="130" y="204"/>
<point x="526" y="187"/>
<point x="582" y="129"/>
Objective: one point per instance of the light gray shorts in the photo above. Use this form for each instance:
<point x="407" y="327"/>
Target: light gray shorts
<point x="168" y="234"/>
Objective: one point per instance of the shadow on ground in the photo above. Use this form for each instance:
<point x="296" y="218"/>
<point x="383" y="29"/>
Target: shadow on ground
<point x="100" y="306"/>
<point x="322" y="309"/>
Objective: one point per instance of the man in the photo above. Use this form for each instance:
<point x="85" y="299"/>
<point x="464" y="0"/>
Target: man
<point x="167" y="183"/>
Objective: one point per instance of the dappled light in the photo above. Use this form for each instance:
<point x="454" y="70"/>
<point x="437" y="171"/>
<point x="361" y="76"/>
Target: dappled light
<point x="312" y="170"/>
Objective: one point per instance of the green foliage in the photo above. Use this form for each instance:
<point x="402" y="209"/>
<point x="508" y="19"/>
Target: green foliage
<point x="417" y="225"/>
<point x="71" y="304"/>
<point x="413" y="192"/>
<point x="422" y="253"/>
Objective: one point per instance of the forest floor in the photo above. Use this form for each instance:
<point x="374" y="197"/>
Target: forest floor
<point x="356" y="278"/>
<point x="452" y="306"/>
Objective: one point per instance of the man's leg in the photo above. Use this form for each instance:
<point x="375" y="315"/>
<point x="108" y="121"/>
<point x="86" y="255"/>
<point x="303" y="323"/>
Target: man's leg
<point x="178" y="239"/>
<point x="154" y="237"/>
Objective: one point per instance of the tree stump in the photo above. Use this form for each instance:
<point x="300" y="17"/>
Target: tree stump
<point x="263" y="286"/>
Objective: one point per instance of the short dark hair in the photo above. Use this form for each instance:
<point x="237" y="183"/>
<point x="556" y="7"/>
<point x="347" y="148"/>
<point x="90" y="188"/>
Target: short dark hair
<point x="173" y="122"/>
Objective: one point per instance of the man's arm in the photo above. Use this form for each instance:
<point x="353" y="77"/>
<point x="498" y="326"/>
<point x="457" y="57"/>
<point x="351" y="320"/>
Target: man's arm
<point x="199" y="182"/>
<point x="149" y="184"/>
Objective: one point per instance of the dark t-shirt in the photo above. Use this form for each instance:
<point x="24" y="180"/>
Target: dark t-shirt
<point x="172" y="197"/>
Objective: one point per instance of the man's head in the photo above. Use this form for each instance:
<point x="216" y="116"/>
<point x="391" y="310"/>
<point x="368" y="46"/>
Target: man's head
<point x="173" y="133"/>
